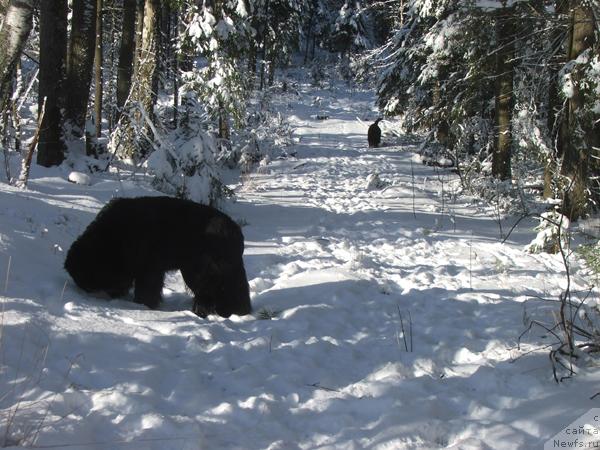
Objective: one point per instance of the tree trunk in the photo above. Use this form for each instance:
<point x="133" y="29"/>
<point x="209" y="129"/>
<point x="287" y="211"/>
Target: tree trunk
<point x="80" y="63"/>
<point x="98" y="71"/>
<point x="13" y="36"/>
<point x="112" y="28"/>
<point x="53" y="51"/>
<point x="224" y="132"/>
<point x="582" y="133"/>
<point x="140" y="104"/>
<point x="440" y="123"/>
<point x="126" y="52"/>
<point x="401" y="14"/>
<point x="155" y="54"/>
<point x="3" y="7"/>
<point x="505" y="32"/>
<point x="139" y="28"/>
<point x="309" y="31"/>
<point x="271" y="77"/>
<point x="252" y="56"/>
<point x="265" y="43"/>
<point x="165" y="44"/>
<point x="554" y="123"/>
<point x="15" y="113"/>
<point x="175" y="74"/>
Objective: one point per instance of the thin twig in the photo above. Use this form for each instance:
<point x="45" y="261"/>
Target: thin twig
<point x="3" y="306"/>
<point x="410" y="327"/>
<point x="402" y="328"/>
<point x="317" y="385"/>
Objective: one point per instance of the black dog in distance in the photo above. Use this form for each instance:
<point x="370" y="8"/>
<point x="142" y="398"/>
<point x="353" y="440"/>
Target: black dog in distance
<point x="374" y="134"/>
<point x="135" y="241"/>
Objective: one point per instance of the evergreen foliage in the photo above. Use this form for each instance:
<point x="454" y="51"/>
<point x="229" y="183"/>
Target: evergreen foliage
<point x="440" y="69"/>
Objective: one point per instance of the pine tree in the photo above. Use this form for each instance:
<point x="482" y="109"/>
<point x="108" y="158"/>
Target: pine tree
<point x="350" y="34"/>
<point x="220" y="34"/>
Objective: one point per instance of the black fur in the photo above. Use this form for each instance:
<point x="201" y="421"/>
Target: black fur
<point x="134" y="241"/>
<point x="374" y="134"/>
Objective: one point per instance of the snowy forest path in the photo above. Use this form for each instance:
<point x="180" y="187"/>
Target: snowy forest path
<point x="373" y="210"/>
<point x="396" y="269"/>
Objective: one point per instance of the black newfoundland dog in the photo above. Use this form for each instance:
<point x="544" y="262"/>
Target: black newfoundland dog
<point x="134" y="241"/>
<point x="374" y="134"/>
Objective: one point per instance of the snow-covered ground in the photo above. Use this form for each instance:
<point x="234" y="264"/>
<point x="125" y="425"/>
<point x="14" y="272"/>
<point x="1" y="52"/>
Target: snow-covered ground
<point x="394" y="313"/>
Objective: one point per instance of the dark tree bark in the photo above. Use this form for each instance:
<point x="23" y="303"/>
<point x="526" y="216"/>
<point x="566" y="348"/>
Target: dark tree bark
<point x="3" y="6"/>
<point x="126" y="52"/>
<point x="175" y="74"/>
<point x="253" y="51"/>
<point x="53" y="51"/>
<point x="224" y="131"/>
<point x="271" y="77"/>
<point x="440" y="123"/>
<point x="98" y="71"/>
<point x="505" y="34"/>
<point x="582" y="133"/>
<point x="310" y="27"/>
<point x="556" y="126"/>
<point x="13" y="36"/>
<point x="264" y="45"/>
<point x="80" y="63"/>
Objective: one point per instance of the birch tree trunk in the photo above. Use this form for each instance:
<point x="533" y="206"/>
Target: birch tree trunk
<point x="13" y="36"/>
